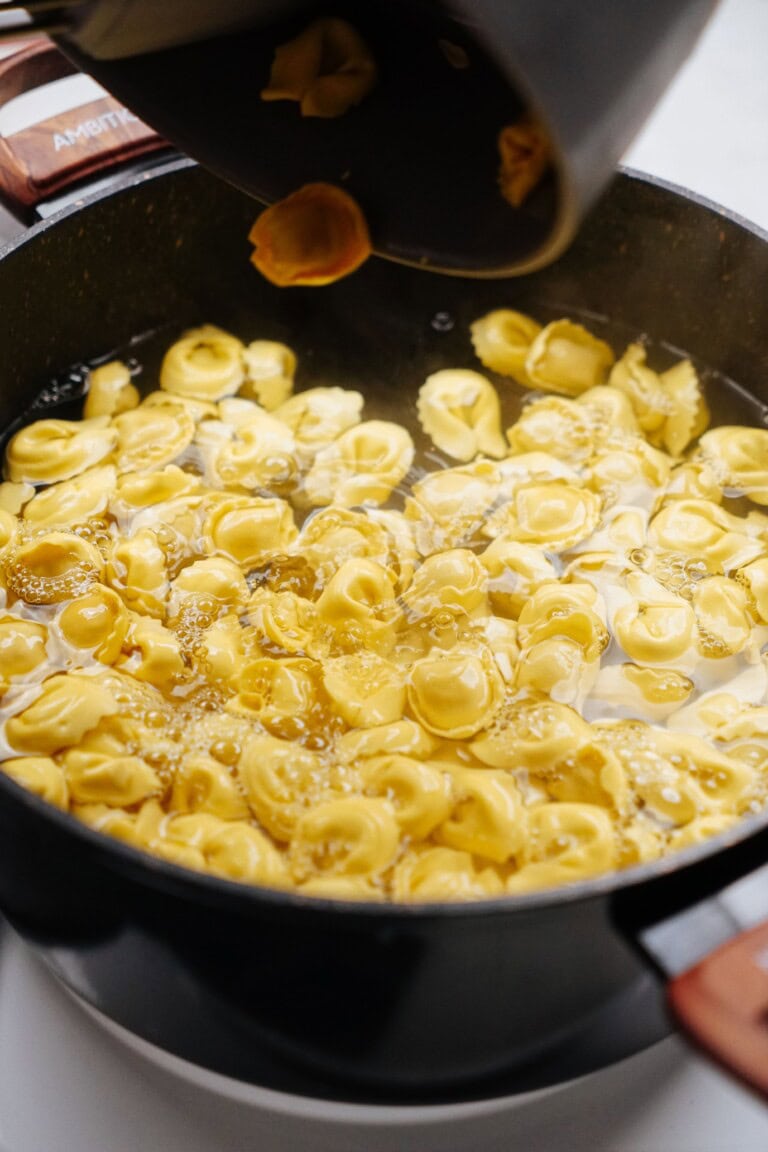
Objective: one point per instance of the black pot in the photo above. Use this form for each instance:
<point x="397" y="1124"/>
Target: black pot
<point x="340" y="999"/>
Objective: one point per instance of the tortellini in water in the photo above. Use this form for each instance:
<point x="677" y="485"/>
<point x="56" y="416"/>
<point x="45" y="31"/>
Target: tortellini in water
<point x="270" y="368"/>
<point x="564" y="357"/>
<point x="72" y="502"/>
<point x="556" y="426"/>
<point x="460" y="412"/>
<point x="269" y="636"/>
<point x="110" y="390"/>
<point x="260" y="454"/>
<point x="555" y="516"/>
<point x="148" y="437"/>
<point x="363" y="465"/>
<point x="502" y="339"/>
<point x="51" y="450"/>
<point x="739" y="458"/>
<point x="205" y="364"/>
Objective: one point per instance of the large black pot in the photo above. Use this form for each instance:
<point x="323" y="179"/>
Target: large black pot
<point x="359" y="1001"/>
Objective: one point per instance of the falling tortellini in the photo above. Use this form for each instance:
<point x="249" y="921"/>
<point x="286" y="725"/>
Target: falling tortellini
<point x="268" y="635"/>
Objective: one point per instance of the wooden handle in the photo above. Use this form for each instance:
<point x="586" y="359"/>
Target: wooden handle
<point x="91" y="133"/>
<point x="722" y="1004"/>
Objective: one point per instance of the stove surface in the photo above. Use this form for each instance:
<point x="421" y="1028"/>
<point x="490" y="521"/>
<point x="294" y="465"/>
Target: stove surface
<point x="68" y="1084"/>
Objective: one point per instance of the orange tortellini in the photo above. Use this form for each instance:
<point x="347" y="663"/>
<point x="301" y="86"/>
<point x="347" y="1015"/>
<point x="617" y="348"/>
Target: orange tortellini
<point x="272" y="636"/>
<point x="326" y="69"/>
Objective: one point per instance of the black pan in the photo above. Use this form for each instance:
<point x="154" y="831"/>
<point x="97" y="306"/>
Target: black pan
<point x="346" y="1000"/>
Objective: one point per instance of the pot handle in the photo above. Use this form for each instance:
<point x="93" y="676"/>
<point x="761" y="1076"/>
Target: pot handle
<point x="721" y="1004"/>
<point x="703" y="925"/>
<point x="59" y="128"/>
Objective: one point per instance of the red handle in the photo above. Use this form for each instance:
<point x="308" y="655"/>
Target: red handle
<point x="722" y="1004"/>
<point x="91" y="134"/>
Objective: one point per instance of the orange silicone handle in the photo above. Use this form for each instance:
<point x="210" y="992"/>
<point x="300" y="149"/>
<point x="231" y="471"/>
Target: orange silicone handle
<point x="722" y="1005"/>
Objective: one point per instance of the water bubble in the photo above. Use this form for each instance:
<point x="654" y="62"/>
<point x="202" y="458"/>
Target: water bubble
<point x="443" y="322"/>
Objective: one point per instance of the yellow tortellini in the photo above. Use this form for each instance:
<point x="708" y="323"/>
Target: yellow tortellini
<point x="136" y="490"/>
<point x="154" y="653"/>
<point x="443" y="874"/>
<point x="363" y="465"/>
<point x="259" y="453"/>
<point x="452" y="579"/>
<point x="739" y="458"/>
<point x="502" y="339"/>
<point x="722" y="616"/>
<point x="366" y="690"/>
<point x="283" y="694"/>
<point x="553" y="425"/>
<point x="330" y="536"/>
<point x="455" y="695"/>
<point x="96" y="622"/>
<point x="281" y="781"/>
<point x="754" y="577"/>
<point x="642" y="387"/>
<point x="422" y="794"/>
<point x="203" y="784"/>
<point x="269" y="371"/>
<point x="688" y="415"/>
<point x="532" y="733"/>
<point x="460" y="412"/>
<point x="488" y="818"/>
<point x="449" y="508"/>
<point x="53" y="567"/>
<point x="94" y="776"/>
<point x="564" y="357"/>
<point x="205" y="364"/>
<point x="318" y="416"/>
<point x="704" y="531"/>
<point x="66" y="707"/>
<point x="655" y="627"/>
<point x="22" y="648"/>
<point x="216" y="578"/>
<point x="630" y="473"/>
<point x="284" y="622"/>
<point x="272" y="637"/>
<point x="110" y="390"/>
<point x="250" y="529"/>
<point x="351" y="836"/>
<point x="554" y="516"/>
<point x="609" y="412"/>
<point x="358" y="606"/>
<point x="148" y="437"/>
<point x="51" y="450"/>
<point x="42" y="776"/>
<point x="137" y="569"/>
<point x="567" y="842"/>
<point x="516" y="570"/>
<point x="569" y="612"/>
<point x="71" y="502"/>
<point x="403" y="737"/>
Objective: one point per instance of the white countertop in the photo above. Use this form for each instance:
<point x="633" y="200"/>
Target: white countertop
<point x="710" y="132"/>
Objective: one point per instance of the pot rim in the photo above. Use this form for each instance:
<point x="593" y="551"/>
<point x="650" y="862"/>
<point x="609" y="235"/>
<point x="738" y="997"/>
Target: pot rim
<point x="176" y="880"/>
